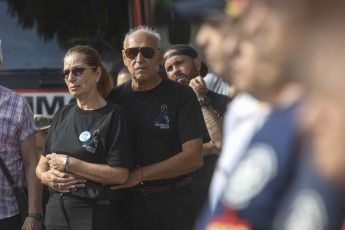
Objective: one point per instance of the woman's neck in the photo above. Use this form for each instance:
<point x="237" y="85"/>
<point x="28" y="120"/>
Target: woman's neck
<point x="91" y="103"/>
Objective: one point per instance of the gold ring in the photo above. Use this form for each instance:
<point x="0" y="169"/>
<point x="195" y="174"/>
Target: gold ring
<point x="59" y="185"/>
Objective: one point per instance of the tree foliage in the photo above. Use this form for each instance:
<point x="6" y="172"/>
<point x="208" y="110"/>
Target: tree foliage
<point x="74" y="20"/>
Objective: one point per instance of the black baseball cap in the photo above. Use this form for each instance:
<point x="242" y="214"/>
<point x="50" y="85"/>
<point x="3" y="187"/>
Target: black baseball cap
<point x="185" y="50"/>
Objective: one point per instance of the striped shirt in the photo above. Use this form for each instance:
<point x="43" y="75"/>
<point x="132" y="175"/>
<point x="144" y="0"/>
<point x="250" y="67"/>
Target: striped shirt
<point x="16" y="125"/>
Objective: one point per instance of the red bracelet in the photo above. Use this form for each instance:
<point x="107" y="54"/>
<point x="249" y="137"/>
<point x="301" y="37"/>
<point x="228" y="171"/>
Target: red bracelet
<point x="141" y="175"/>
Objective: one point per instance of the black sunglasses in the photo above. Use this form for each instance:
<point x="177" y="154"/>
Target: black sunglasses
<point x="147" y="52"/>
<point x="76" y="72"/>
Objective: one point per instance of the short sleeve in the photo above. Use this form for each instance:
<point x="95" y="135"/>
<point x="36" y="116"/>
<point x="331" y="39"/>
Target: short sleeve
<point x="191" y="123"/>
<point x="120" y="141"/>
<point x="27" y="122"/>
<point x="47" y="143"/>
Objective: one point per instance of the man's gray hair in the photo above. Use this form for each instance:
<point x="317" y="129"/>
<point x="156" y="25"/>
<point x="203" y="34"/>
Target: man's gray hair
<point x="0" y="52"/>
<point x="144" y="29"/>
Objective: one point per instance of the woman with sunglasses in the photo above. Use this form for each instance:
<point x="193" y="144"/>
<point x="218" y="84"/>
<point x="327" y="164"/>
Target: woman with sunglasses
<point x="88" y="148"/>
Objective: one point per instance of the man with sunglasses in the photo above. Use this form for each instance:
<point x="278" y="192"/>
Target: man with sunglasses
<point x="182" y="64"/>
<point x="169" y="132"/>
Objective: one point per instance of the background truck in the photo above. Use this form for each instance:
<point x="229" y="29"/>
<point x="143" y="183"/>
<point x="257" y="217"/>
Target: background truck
<point x="35" y="35"/>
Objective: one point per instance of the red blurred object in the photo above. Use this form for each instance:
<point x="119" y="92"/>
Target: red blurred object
<point x="228" y="221"/>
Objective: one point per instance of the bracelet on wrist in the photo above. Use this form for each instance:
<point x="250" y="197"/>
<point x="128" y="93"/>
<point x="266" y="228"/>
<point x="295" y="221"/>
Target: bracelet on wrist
<point x="66" y="163"/>
<point x="37" y="216"/>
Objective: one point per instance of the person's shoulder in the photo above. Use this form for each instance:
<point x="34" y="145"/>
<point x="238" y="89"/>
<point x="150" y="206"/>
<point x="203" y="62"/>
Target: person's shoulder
<point x="115" y="107"/>
<point x="118" y="90"/>
<point x="176" y="86"/>
<point x="8" y="92"/>
<point x="12" y="97"/>
<point x="66" y="108"/>
<point x="122" y="87"/>
<point x="3" y="89"/>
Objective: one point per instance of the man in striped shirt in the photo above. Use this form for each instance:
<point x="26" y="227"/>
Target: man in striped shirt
<point x="18" y="151"/>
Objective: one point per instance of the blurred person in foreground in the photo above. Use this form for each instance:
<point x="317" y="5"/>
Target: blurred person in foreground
<point x="17" y="144"/>
<point x="245" y="115"/>
<point x="324" y="46"/>
<point x="275" y="173"/>
<point x="88" y="148"/>
<point x="169" y="132"/>
<point x="182" y="64"/>
<point x="123" y="76"/>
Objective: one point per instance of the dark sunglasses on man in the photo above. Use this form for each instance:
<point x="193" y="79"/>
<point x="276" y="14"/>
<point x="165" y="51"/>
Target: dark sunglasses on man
<point x="147" y="52"/>
<point x="64" y="74"/>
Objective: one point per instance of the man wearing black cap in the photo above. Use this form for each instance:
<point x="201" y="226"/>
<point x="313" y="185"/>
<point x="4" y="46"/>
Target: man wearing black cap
<point x="182" y="64"/>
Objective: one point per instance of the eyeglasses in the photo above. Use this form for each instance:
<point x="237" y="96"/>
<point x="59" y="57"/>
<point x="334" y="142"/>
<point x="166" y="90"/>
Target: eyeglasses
<point x="147" y="52"/>
<point x="76" y="72"/>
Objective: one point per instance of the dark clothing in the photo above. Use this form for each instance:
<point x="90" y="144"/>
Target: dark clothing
<point x="98" y="136"/>
<point x="163" y="119"/>
<point x="202" y="179"/>
<point x="311" y="202"/>
<point x="266" y="169"/>
<point x="274" y="177"/>
<point x="203" y="176"/>
<point x="169" y="211"/>
<point x="86" y="214"/>
<point x="11" y="223"/>
<point x="219" y="101"/>
<point x="261" y="177"/>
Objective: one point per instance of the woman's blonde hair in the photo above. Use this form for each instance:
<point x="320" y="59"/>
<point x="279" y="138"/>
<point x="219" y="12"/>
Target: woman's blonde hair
<point x="92" y="58"/>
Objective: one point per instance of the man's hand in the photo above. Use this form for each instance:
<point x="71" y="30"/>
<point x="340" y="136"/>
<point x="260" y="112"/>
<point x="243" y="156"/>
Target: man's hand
<point x="31" y="223"/>
<point x="133" y="180"/>
<point x="199" y="86"/>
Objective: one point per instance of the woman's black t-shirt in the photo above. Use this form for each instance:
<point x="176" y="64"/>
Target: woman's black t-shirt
<point x="97" y="136"/>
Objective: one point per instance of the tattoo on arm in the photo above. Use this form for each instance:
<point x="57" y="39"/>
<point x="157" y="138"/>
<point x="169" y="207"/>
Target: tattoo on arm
<point x="202" y="92"/>
<point x="214" y="126"/>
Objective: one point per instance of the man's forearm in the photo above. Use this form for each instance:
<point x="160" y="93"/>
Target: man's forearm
<point x="34" y="189"/>
<point x="30" y="161"/>
<point x="209" y="149"/>
<point x="180" y="164"/>
<point x="214" y="125"/>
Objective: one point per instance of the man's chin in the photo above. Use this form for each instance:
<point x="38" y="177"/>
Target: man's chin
<point x="183" y="80"/>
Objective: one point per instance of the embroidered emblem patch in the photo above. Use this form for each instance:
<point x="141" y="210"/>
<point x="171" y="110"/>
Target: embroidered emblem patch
<point x="162" y="120"/>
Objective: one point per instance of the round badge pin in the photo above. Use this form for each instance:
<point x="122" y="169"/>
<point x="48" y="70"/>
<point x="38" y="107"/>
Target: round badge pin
<point x="84" y="136"/>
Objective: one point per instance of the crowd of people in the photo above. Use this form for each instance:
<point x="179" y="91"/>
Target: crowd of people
<point x="166" y="149"/>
